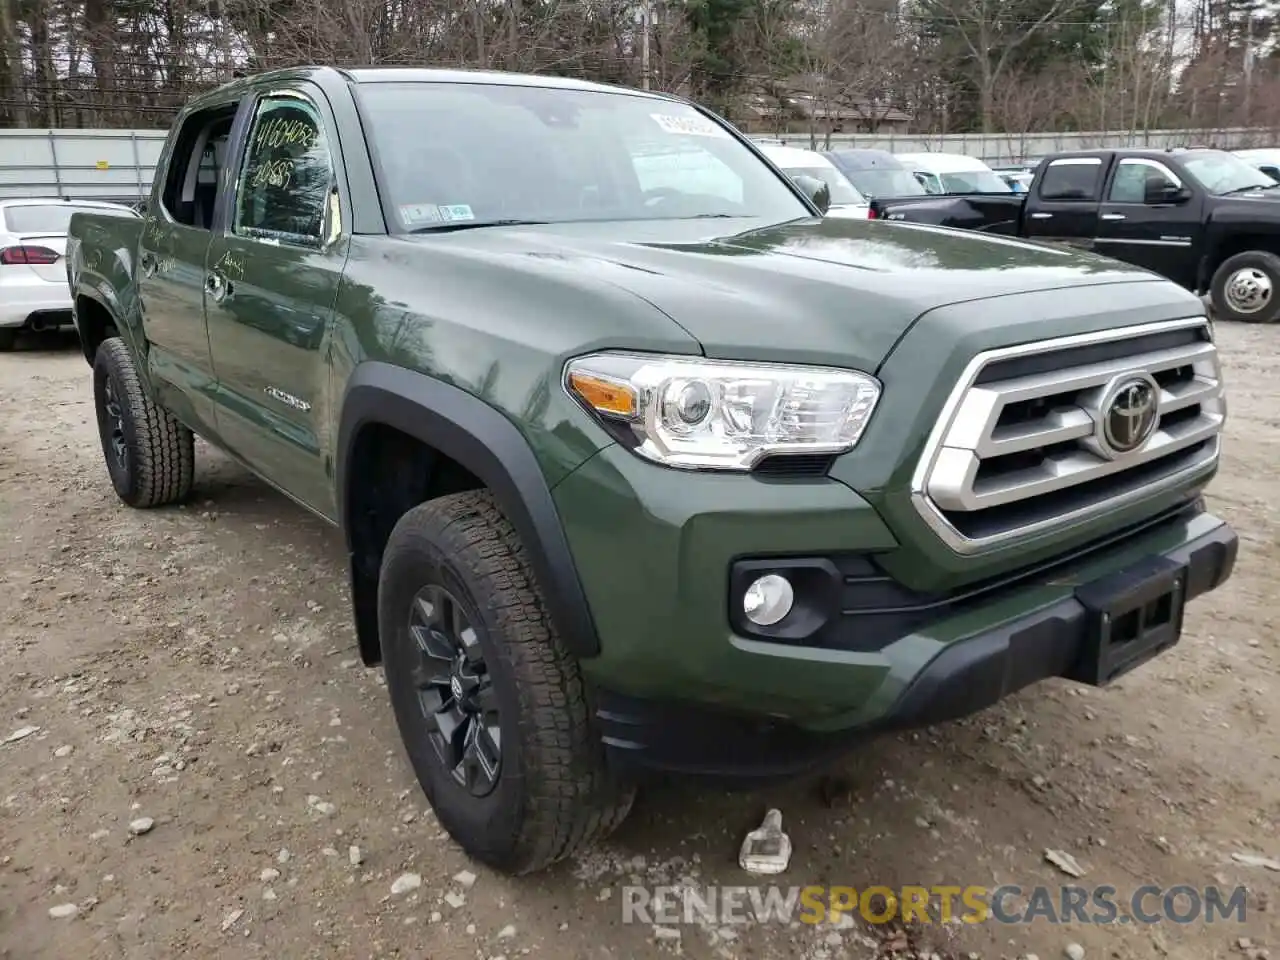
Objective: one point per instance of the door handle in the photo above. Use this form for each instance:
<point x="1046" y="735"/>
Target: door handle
<point x="219" y="286"/>
<point x="1112" y="216"/>
<point x="1041" y="216"/>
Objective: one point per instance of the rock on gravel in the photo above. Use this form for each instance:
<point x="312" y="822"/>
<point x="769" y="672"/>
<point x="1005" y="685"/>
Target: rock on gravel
<point x="141" y="825"/>
<point x="20" y="734"/>
<point x="1074" y="951"/>
<point x="404" y="883"/>
<point x="63" y="911"/>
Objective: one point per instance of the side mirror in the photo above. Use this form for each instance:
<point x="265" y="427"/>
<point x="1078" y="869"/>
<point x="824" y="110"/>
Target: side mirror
<point x="1168" y="193"/>
<point x="816" y="190"/>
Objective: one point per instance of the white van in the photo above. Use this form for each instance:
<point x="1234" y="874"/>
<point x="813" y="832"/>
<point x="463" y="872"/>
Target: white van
<point x="846" y="202"/>
<point x="953" y="173"/>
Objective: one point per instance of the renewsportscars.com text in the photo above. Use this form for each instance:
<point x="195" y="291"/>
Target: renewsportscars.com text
<point x="1010" y="904"/>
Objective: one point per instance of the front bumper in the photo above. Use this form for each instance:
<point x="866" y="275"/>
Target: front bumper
<point x="673" y="673"/>
<point x="967" y="675"/>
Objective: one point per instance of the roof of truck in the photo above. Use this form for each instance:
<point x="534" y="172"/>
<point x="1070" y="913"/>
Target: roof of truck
<point x="436" y="75"/>
<point x="1148" y="153"/>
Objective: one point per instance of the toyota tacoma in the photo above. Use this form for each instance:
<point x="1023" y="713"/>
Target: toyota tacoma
<point x="638" y="472"/>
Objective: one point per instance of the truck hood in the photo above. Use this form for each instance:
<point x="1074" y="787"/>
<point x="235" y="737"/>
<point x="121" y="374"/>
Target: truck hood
<point x="825" y="291"/>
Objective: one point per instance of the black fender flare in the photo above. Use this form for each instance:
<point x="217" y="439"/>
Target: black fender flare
<point x="483" y="440"/>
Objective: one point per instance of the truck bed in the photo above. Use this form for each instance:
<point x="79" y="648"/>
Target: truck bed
<point x="101" y="250"/>
<point x="986" y="212"/>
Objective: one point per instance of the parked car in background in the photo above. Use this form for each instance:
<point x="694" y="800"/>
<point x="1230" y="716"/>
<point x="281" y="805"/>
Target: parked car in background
<point x="1018" y="178"/>
<point x="876" y="173"/>
<point x="1206" y="219"/>
<point x="1266" y="159"/>
<point x="943" y="173"/>
<point x="846" y="201"/>
<point x="33" y="278"/>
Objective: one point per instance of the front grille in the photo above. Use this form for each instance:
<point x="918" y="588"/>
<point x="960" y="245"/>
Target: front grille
<point x="1022" y="445"/>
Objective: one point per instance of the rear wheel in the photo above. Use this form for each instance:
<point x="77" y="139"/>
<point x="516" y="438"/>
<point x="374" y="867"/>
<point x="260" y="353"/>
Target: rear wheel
<point x="150" y="455"/>
<point x="1246" y="287"/>
<point x="490" y="705"/>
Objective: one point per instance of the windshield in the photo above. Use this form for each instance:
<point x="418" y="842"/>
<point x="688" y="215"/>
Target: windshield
<point x="48" y="218"/>
<point x="886" y="182"/>
<point x="974" y="181"/>
<point x="842" y="191"/>
<point x="1224" y="172"/>
<point x="486" y="152"/>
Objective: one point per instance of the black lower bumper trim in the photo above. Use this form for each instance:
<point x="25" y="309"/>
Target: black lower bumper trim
<point x="966" y="677"/>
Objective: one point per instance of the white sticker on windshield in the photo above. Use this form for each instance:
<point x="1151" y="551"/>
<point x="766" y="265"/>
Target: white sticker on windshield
<point x="456" y="211"/>
<point x="695" y="126"/>
<point x="418" y="213"/>
<point x="413" y="213"/>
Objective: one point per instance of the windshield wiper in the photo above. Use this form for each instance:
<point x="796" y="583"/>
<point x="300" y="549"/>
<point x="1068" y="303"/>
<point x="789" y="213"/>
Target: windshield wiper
<point x="1249" y="189"/>
<point x="451" y="225"/>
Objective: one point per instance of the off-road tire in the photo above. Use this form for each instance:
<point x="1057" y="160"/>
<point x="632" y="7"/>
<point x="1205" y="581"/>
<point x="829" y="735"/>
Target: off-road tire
<point x="159" y="452"/>
<point x="8" y="339"/>
<point x="1267" y="264"/>
<point x="554" y="793"/>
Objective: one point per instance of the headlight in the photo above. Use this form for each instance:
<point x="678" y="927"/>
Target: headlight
<point x="721" y="414"/>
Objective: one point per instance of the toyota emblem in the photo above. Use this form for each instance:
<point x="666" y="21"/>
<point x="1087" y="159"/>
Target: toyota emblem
<point x="1130" y="414"/>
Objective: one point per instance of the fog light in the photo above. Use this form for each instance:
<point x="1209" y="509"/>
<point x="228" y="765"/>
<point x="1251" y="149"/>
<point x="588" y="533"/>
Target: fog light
<point x="768" y="600"/>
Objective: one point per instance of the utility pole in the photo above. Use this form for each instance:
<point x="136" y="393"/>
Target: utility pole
<point x="645" y="14"/>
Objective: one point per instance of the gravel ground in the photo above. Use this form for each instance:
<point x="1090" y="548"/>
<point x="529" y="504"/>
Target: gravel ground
<point x="209" y="754"/>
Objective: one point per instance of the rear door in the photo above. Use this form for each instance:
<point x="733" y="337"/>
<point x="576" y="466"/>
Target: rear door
<point x="1063" y="204"/>
<point x="272" y="279"/>
<point x="171" y="260"/>
<point x="1140" y="223"/>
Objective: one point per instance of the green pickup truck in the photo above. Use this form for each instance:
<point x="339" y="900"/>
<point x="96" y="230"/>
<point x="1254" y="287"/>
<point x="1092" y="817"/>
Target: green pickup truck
<point x="638" y="473"/>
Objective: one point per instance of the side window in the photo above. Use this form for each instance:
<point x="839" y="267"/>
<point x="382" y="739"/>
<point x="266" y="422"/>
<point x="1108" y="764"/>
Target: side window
<point x="1271" y="171"/>
<point x="286" y="177"/>
<point x="1071" y="179"/>
<point x="1140" y="181"/>
<point x="193" y="176"/>
<point x="929" y="181"/>
<point x="690" y="170"/>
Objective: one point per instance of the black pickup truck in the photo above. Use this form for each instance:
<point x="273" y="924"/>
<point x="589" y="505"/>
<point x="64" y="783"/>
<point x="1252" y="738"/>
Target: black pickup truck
<point x="1203" y="218"/>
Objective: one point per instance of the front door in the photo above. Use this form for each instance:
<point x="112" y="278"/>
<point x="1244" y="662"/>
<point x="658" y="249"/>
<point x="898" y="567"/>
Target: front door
<point x="171" y="265"/>
<point x="1064" y="207"/>
<point x="272" y="279"/>
<point x="1140" y="223"/>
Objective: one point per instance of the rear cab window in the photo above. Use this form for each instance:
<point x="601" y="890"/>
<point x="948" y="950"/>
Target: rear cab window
<point x="1072" y="179"/>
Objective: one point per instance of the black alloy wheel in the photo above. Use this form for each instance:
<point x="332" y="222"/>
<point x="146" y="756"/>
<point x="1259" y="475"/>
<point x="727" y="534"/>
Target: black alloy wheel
<point x="455" y="691"/>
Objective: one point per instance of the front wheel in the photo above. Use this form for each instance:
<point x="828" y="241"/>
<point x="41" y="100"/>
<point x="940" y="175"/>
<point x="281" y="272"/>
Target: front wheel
<point x="489" y="703"/>
<point x="150" y="455"/>
<point x="1246" y="287"/>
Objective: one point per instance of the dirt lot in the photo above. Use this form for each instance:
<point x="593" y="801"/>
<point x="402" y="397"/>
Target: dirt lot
<point x="196" y="666"/>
